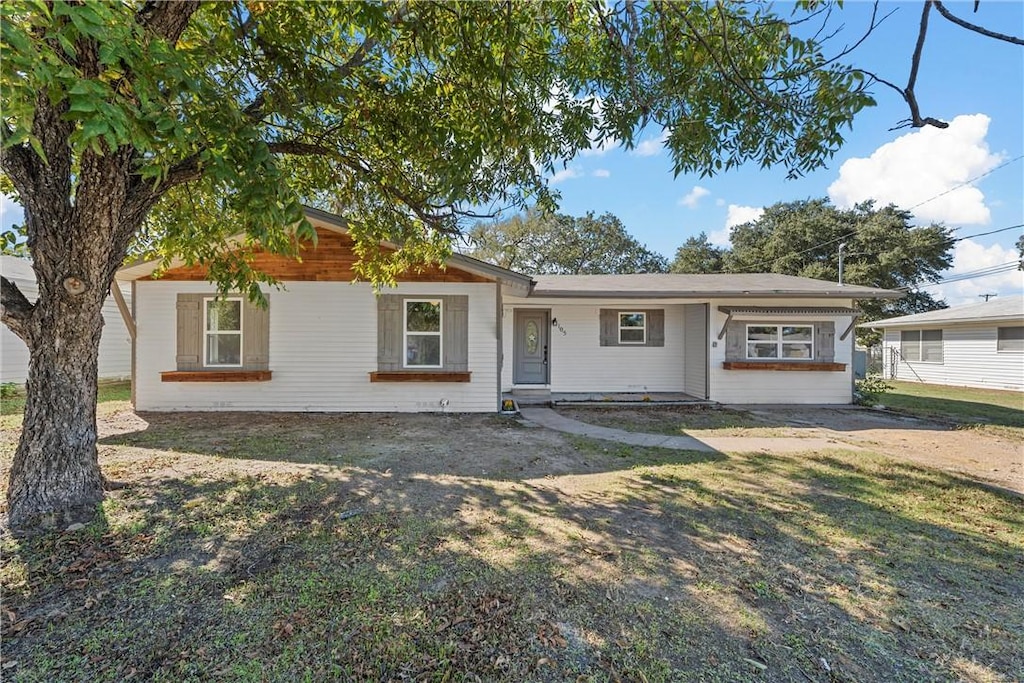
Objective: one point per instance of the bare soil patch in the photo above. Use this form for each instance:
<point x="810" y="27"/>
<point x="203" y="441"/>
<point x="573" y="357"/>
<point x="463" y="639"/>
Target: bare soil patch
<point x="426" y="547"/>
<point x="995" y="457"/>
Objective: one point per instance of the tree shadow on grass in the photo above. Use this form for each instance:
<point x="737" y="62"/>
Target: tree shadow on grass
<point x="696" y="568"/>
<point x="486" y="446"/>
<point x="749" y="420"/>
<point x="958" y="410"/>
<point x="246" y="578"/>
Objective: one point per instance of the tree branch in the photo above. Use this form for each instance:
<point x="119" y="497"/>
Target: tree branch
<point x="17" y="161"/>
<point x="915" y="63"/>
<point x="167" y="18"/>
<point x="297" y="148"/>
<point x="17" y="310"/>
<point x="941" y="9"/>
<point x="907" y="93"/>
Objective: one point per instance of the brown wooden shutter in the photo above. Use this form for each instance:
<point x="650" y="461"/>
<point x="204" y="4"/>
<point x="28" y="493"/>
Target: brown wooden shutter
<point x="255" y="336"/>
<point x="189" y="332"/>
<point x="389" y="332"/>
<point x="825" y="341"/>
<point x="655" y="327"/>
<point x="735" y="340"/>
<point x="609" y="327"/>
<point x="455" y="322"/>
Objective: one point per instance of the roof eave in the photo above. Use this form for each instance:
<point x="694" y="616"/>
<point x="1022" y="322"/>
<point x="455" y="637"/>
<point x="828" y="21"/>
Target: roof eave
<point x="339" y="224"/>
<point x="944" y="321"/>
<point x="772" y="294"/>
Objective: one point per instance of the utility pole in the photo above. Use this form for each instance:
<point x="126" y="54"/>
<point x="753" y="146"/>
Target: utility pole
<point x="842" y="245"/>
<point x="987" y="296"/>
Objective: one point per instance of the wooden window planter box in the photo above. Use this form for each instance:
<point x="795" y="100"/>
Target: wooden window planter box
<point x="401" y="376"/>
<point x="216" y="376"/>
<point x="798" y="366"/>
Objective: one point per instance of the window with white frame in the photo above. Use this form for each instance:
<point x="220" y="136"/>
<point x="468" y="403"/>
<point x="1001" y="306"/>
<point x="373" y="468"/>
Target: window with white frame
<point x="780" y="341"/>
<point x="423" y="336"/>
<point x="632" y="328"/>
<point x="1010" y="339"/>
<point x="924" y="346"/>
<point x="222" y="336"/>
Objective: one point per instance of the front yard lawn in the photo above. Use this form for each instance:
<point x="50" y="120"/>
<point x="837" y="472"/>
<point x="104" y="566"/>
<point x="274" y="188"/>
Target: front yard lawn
<point x="415" y="547"/>
<point x="966" y="406"/>
<point x="111" y="397"/>
<point x="675" y="420"/>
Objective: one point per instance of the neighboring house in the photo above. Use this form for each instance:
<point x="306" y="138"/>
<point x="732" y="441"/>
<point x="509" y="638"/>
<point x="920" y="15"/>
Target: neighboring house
<point x="115" y="343"/>
<point x="456" y="337"/>
<point x="977" y="345"/>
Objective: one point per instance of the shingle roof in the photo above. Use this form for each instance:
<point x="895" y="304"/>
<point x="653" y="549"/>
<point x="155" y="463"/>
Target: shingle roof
<point x="997" y="309"/>
<point x="667" y="285"/>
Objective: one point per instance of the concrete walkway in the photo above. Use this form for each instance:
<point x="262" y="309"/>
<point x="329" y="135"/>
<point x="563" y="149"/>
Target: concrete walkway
<point x="546" y="417"/>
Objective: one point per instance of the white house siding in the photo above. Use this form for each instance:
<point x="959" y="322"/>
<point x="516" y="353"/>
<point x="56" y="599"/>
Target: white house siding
<point x="578" y="362"/>
<point x="969" y="359"/>
<point x="773" y="386"/>
<point x="695" y="355"/>
<point x="323" y="345"/>
<point x="115" y="360"/>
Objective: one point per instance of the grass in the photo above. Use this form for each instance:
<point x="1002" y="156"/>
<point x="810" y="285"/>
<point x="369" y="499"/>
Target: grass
<point x="675" y="420"/>
<point x="999" y="411"/>
<point x="445" y="559"/>
<point x="111" y="396"/>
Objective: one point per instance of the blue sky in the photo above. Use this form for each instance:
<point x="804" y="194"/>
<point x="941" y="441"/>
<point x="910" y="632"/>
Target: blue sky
<point x="962" y="74"/>
<point x="976" y="83"/>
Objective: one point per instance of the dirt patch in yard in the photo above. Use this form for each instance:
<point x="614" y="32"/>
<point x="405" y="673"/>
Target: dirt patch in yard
<point x="271" y="547"/>
<point x="993" y="457"/>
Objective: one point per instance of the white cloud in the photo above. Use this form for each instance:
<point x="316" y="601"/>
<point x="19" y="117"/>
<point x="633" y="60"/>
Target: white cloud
<point x="735" y="215"/>
<point x="969" y="255"/>
<point x="919" y="166"/>
<point x="693" y="197"/>
<point x="563" y="175"/>
<point x="10" y="211"/>
<point x="8" y="204"/>
<point x="601" y="173"/>
<point x="720" y="238"/>
<point x="738" y="215"/>
<point x="719" y="202"/>
<point x="651" y="146"/>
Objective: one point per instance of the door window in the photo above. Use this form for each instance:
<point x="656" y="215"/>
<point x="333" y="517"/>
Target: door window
<point x="532" y="337"/>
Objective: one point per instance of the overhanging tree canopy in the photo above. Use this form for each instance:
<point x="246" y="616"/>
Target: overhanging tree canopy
<point x="176" y="124"/>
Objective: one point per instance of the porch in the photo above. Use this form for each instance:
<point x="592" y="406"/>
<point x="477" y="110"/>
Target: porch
<point x="534" y="397"/>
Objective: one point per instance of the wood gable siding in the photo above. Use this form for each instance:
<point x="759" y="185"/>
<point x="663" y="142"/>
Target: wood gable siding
<point x="331" y="260"/>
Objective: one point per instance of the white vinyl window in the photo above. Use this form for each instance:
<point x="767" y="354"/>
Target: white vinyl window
<point x="1010" y="339"/>
<point x="780" y="341"/>
<point x="423" y="337"/>
<point x="222" y="333"/>
<point x="921" y="346"/>
<point x="632" y="328"/>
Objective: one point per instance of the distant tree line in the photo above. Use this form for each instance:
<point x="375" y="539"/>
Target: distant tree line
<point x="881" y="248"/>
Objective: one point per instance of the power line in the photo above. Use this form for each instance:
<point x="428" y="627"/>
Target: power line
<point x="949" y="241"/>
<point x="1007" y="267"/>
<point x="990" y="232"/>
<point x="981" y="272"/>
<point x="926" y="201"/>
<point x="952" y="240"/>
<point x="967" y="182"/>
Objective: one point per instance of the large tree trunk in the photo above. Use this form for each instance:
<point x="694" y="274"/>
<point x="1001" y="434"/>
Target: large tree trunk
<point x="55" y="478"/>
